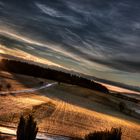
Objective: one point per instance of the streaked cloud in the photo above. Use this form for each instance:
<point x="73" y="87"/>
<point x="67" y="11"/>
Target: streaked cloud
<point x="92" y="37"/>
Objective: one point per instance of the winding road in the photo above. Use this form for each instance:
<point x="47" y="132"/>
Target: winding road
<point x="29" y="90"/>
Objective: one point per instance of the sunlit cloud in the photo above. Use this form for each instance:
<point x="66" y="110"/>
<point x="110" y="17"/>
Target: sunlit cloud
<point x="92" y="37"/>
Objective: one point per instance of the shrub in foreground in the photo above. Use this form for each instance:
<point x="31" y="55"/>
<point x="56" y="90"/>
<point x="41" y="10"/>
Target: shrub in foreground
<point x="27" y="128"/>
<point x="113" y="134"/>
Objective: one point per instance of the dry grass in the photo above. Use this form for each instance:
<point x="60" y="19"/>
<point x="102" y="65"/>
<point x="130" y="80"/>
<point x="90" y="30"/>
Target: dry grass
<point x="7" y="137"/>
<point x="65" y="110"/>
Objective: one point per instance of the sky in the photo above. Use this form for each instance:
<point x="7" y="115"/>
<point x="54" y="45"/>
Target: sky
<point x="95" y="37"/>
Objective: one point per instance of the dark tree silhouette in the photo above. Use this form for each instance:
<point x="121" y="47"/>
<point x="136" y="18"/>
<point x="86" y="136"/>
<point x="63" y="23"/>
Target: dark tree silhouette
<point x="122" y="106"/>
<point x="0" y="87"/>
<point x="21" y="129"/>
<point x="113" y="134"/>
<point x="27" y="128"/>
<point x="31" y="129"/>
<point x="8" y="86"/>
<point x="52" y="74"/>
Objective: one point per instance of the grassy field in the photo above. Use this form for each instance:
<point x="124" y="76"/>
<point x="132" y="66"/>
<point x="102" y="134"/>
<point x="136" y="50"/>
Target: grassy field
<point x="63" y="109"/>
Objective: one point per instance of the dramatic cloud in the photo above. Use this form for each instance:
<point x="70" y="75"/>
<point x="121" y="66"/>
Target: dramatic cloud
<point x="92" y="37"/>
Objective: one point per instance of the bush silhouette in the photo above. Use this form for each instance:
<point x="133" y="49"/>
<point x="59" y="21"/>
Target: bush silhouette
<point x="8" y="86"/>
<point x="122" y="106"/>
<point x="0" y="87"/>
<point x="113" y="134"/>
<point x="27" y="128"/>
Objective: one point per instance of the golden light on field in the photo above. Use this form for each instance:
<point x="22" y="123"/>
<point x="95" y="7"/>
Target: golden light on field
<point x="63" y="110"/>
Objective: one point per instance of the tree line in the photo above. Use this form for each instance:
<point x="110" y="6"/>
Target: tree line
<point x="37" y="71"/>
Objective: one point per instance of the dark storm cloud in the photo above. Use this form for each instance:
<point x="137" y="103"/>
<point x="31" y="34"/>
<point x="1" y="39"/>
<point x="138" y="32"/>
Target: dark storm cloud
<point x="105" y="32"/>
